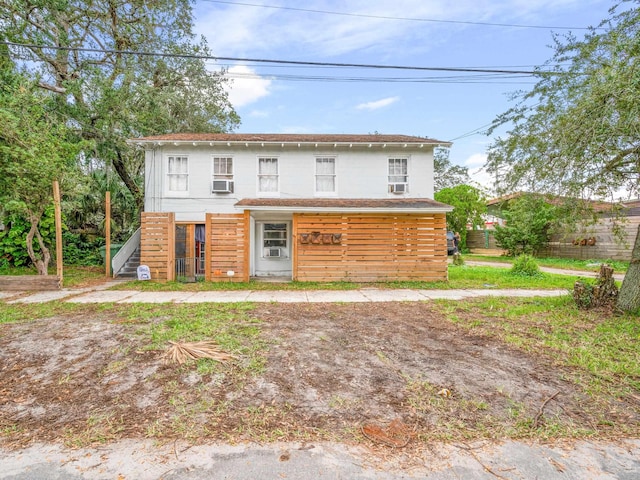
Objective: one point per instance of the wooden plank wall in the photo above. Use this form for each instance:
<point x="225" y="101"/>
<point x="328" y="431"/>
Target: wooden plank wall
<point x="373" y="247"/>
<point x="16" y="283"/>
<point x="227" y="247"/>
<point x="562" y="244"/>
<point x="157" y="244"/>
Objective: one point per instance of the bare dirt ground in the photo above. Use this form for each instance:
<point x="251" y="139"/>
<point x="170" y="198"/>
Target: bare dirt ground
<point x="330" y="370"/>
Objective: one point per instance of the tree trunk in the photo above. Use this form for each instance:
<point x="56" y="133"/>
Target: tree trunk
<point x="41" y="264"/>
<point x="629" y="297"/>
<point x="121" y="168"/>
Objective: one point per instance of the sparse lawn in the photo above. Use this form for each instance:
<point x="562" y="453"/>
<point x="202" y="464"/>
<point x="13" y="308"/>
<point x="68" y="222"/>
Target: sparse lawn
<point x="312" y="372"/>
<point x="468" y="277"/>
<point x="604" y="347"/>
<point x="590" y="265"/>
<point x="73" y="276"/>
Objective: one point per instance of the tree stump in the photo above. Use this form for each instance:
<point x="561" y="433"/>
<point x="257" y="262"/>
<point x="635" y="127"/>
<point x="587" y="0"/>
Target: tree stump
<point x="603" y="293"/>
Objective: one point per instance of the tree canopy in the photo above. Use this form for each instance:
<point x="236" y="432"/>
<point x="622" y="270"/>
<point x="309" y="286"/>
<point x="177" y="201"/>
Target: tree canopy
<point x="528" y="219"/>
<point x="469" y="206"/>
<point x="36" y="148"/>
<point x="577" y="132"/>
<point x="82" y="52"/>
<point x="445" y="173"/>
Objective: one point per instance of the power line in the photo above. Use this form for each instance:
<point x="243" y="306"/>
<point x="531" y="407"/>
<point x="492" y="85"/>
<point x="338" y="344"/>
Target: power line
<point x="272" y="61"/>
<point x="408" y="19"/>
<point x="466" y="79"/>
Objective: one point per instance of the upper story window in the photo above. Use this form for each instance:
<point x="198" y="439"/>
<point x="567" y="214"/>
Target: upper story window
<point x="325" y="175"/>
<point x="268" y="175"/>
<point x="398" y="175"/>
<point x="178" y="174"/>
<point x="222" y="175"/>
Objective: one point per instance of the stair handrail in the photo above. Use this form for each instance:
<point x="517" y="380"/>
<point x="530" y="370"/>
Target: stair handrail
<point x="119" y="259"/>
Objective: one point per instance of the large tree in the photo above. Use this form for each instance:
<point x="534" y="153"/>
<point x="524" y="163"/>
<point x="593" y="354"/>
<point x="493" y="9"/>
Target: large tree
<point x="82" y="51"/>
<point x="36" y="148"/>
<point x="469" y="206"/>
<point x="577" y="132"/>
<point x="445" y="173"/>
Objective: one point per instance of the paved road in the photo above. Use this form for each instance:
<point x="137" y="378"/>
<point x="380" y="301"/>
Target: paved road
<point x="144" y="460"/>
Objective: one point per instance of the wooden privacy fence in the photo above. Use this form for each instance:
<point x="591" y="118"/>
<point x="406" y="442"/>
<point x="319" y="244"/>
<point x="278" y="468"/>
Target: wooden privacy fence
<point x="29" y="283"/>
<point x="369" y="247"/>
<point x="157" y="244"/>
<point x="592" y="242"/>
<point x="227" y="254"/>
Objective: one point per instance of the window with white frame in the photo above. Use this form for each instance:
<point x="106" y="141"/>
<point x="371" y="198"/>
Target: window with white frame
<point x="398" y="175"/>
<point x="325" y="175"/>
<point x="222" y="175"/>
<point x="274" y="240"/>
<point x="268" y="175"/>
<point x="178" y="174"/>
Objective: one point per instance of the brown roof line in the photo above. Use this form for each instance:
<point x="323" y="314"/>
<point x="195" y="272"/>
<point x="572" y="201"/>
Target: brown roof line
<point x="345" y="203"/>
<point x="289" y="138"/>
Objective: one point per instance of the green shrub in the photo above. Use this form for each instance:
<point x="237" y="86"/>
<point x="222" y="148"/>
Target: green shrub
<point x="526" y="266"/>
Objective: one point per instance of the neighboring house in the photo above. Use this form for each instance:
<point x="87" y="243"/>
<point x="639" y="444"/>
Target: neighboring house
<point x="304" y="207"/>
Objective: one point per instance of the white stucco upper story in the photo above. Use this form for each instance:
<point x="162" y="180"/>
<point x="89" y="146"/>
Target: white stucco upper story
<point x="191" y="174"/>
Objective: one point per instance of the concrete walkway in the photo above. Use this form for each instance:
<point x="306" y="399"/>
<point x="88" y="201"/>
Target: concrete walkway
<point x="100" y="294"/>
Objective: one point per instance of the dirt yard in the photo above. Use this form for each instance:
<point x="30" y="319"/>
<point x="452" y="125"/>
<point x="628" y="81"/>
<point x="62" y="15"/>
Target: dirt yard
<point x="385" y="374"/>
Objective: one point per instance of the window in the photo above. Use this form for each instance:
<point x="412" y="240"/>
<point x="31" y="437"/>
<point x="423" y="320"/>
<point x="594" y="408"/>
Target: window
<point x="275" y="235"/>
<point x="274" y="240"/>
<point x="178" y="174"/>
<point x="268" y="175"/>
<point x="222" y="175"/>
<point x="325" y="175"/>
<point x="398" y="175"/>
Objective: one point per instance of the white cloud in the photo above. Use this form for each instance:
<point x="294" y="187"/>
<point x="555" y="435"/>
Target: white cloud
<point x="377" y="104"/>
<point x="258" y="114"/>
<point x="246" y="86"/>
<point x="243" y="30"/>
<point x="476" y="160"/>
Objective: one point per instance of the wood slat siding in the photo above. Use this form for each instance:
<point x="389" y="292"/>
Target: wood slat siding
<point x="227" y="247"/>
<point x="157" y="244"/>
<point x="561" y="245"/>
<point x="373" y="248"/>
<point x="39" y="283"/>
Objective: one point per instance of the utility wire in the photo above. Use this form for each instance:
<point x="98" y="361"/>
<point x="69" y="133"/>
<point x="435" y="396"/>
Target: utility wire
<point x="271" y="61"/>
<point x="408" y="19"/>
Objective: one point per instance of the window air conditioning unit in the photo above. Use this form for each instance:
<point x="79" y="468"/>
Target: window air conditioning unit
<point x="222" y="186"/>
<point x="272" y="252"/>
<point x="398" y="187"/>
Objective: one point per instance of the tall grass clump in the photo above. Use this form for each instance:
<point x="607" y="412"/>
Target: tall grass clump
<point x="525" y="266"/>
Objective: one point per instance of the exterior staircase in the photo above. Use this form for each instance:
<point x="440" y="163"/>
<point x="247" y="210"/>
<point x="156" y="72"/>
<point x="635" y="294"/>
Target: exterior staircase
<point x="130" y="268"/>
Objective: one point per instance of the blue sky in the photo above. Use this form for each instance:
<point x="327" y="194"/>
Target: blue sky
<point x="371" y="33"/>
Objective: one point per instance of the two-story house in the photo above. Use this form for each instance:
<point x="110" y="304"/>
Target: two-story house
<point x="305" y="207"/>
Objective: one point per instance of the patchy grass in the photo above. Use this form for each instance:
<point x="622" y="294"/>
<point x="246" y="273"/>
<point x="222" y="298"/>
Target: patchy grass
<point x="229" y="325"/>
<point x="589" y="265"/>
<point x="19" y="312"/>
<point x="462" y="276"/>
<point x="604" y="348"/>
<point x="72" y="276"/>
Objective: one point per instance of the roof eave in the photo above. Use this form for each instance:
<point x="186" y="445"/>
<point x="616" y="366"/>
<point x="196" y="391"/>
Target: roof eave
<point x="291" y="209"/>
<point x="246" y="143"/>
